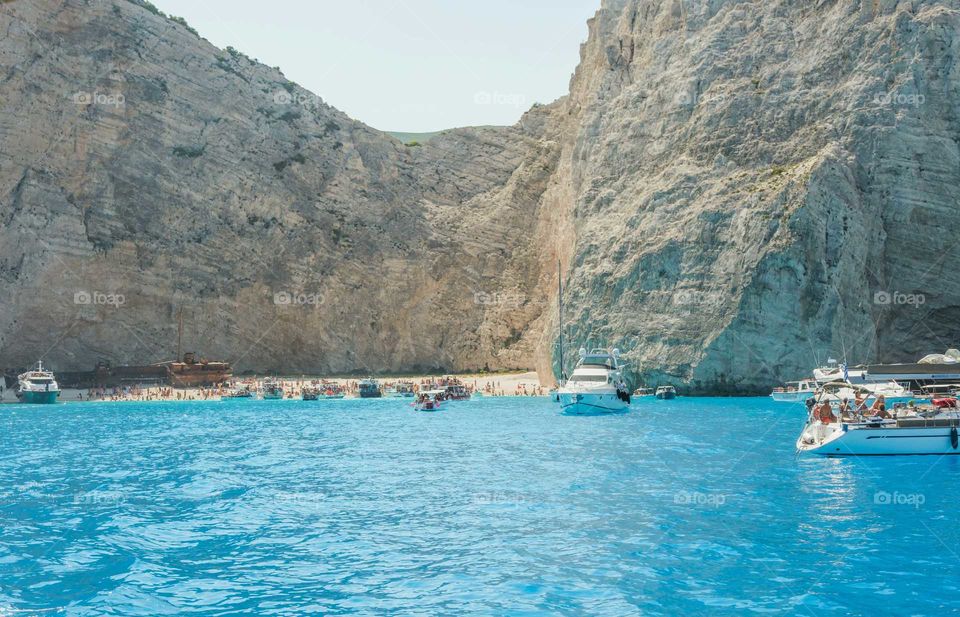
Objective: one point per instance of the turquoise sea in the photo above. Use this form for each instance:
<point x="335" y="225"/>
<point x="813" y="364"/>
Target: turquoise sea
<point x="494" y="506"/>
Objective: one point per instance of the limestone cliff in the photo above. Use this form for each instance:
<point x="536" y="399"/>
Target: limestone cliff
<point x="758" y="185"/>
<point x="145" y="170"/>
<point x="735" y="189"/>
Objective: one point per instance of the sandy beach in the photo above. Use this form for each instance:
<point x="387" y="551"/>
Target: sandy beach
<point x="505" y="384"/>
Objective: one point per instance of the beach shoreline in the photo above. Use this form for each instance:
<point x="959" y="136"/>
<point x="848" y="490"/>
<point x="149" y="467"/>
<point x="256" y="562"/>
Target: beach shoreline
<point x="499" y="384"/>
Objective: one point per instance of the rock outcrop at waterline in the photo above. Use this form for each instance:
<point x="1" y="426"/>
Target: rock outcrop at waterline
<point x="735" y="190"/>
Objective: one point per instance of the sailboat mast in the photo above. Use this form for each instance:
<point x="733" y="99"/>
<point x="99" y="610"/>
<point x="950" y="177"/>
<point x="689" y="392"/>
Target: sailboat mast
<point x="179" y="334"/>
<point x="560" y="310"/>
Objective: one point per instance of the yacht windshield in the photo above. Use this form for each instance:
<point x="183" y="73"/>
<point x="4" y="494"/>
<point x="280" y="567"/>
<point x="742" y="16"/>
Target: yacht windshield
<point x="598" y="361"/>
<point x="588" y="378"/>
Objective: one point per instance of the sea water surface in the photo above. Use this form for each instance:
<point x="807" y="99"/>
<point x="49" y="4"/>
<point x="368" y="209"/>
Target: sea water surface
<point x="493" y="506"/>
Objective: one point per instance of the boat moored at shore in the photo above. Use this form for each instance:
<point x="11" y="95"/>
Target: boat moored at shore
<point x="37" y="386"/>
<point x="399" y="389"/>
<point x="331" y="390"/>
<point x="272" y="390"/>
<point x="369" y="388"/>
<point x="666" y="393"/>
<point x="239" y="392"/>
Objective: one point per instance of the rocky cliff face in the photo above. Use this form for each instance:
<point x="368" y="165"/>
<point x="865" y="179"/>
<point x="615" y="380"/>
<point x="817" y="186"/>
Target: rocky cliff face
<point x="758" y="185"/>
<point x="144" y="171"/>
<point x="734" y="189"/>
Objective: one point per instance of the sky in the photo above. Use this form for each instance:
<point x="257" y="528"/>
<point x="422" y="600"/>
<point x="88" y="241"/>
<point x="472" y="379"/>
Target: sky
<point x="408" y="65"/>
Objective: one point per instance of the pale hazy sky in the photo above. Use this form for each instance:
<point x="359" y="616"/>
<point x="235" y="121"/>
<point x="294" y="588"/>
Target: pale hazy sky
<point x="408" y="65"/>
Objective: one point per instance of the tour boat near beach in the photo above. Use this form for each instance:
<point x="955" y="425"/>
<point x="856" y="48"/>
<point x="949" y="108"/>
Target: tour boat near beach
<point x="37" y="386"/>
<point x="272" y="390"/>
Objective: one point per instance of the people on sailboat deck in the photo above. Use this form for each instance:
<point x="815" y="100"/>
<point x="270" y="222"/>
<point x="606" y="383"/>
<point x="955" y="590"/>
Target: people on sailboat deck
<point x="860" y="403"/>
<point x="879" y="407"/>
<point x="846" y="412"/>
<point x="825" y="413"/>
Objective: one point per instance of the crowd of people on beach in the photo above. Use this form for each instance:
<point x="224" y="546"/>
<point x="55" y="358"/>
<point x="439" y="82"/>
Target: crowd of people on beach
<point x="294" y="388"/>
<point x="148" y="393"/>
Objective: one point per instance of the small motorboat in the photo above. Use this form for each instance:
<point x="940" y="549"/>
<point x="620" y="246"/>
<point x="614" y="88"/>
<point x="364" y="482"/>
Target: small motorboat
<point x="666" y="393"/>
<point x="400" y="389"/>
<point x="272" y="390"/>
<point x="310" y="394"/>
<point x="907" y="429"/>
<point x="429" y="400"/>
<point x="639" y="392"/>
<point x="794" y="391"/>
<point x="37" y="386"/>
<point x="330" y="390"/>
<point x="457" y="392"/>
<point x="238" y="393"/>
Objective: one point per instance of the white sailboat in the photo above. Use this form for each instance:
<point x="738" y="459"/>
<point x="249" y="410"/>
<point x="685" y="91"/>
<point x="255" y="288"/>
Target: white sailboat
<point x="596" y="385"/>
<point x="913" y="430"/>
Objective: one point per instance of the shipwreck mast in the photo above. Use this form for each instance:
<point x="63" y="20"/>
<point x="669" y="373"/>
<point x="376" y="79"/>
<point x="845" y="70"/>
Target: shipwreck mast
<point x="179" y="334"/>
<point x="563" y="376"/>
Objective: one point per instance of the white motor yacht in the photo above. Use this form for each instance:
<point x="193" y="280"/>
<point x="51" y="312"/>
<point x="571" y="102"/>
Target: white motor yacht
<point x="794" y="391"/>
<point x="596" y="385"/>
